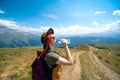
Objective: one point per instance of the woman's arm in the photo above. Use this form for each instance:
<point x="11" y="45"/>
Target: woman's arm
<point x="68" y="59"/>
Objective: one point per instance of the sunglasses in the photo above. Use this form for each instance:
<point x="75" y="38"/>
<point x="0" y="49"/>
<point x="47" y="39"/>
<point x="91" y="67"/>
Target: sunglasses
<point x="53" y="37"/>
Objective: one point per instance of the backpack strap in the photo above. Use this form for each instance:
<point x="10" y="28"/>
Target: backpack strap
<point x="48" y="51"/>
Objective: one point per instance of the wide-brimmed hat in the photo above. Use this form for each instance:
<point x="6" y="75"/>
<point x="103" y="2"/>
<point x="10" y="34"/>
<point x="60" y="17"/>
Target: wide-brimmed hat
<point x="45" y="35"/>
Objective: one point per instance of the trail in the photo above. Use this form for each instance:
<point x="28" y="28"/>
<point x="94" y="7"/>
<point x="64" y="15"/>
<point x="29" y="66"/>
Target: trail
<point x="107" y="72"/>
<point x="87" y="66"/>
<point x="72" y="72"/>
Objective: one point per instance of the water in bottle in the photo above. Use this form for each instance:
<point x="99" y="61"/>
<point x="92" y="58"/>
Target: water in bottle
<point x="66" y="40"/>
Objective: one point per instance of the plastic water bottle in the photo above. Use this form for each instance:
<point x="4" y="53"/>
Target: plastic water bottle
<point x="66" y="40"/>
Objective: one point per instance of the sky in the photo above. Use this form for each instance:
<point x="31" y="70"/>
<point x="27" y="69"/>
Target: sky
<point x="66" y="17"/>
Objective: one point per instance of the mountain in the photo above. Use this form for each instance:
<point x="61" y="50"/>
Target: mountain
<point x="103" y="38"/>
<point x="15" y="38"/>
<point x="93" y="39"/>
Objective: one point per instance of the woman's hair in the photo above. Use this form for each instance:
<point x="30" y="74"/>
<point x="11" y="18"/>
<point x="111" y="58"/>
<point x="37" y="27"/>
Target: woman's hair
<point x="45" y="39"/>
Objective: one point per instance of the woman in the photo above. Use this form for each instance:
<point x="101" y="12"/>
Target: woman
<point x="52" y="58"/>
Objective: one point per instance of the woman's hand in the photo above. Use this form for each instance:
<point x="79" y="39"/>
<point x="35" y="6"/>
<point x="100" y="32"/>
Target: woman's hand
<point x="64" y="42"/>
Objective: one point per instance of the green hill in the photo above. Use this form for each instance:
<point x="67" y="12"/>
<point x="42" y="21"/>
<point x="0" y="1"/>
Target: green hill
<point x="91" y="62"/>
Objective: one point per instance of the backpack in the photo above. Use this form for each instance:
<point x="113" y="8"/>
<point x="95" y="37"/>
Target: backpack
<point x="40" y="69"/>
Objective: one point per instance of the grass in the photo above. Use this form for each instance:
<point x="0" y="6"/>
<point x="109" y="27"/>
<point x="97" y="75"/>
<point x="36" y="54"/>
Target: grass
<point x="109" y="55"/>
<point x="89" y="70"/>
<point x="15" y="63"/>
<point x="82" y="47"/>
<point x="108" y="58"/>
<point x="6" y="53"/>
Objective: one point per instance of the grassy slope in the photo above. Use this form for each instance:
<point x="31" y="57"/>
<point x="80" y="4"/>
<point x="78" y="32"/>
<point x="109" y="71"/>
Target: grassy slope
<point x="109" y="55"/>
<point x="15" y="63"/>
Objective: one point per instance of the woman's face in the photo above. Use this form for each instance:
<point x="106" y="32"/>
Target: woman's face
<point x="53" y="40"/>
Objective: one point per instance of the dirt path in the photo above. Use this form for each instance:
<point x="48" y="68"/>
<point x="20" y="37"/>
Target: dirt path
<point x="107" y="72"/>
<point x="87" y="67"/>
<point x="72" y="72"/>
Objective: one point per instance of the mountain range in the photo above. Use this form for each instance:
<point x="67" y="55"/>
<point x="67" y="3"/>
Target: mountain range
<point x="16" y="38"/>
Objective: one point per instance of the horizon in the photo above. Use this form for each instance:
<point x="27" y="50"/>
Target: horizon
<point x="67" y="18"/>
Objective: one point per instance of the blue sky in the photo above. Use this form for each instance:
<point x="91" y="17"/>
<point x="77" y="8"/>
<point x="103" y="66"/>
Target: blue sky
<point x="71" y="17"/>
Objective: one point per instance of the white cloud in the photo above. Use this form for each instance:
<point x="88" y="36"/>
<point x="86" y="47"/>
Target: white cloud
<point x="116" y="12"/>
<point x="15" y="25"/>
<point x="50" y="16"/>
<point x="114" y="26"/>
<point x="8" y="23"/>
<point x="79" y="30"/>
<point x="2" y="12"/>
<point x="66" y="31"/>
<point x="99" y="12"/>
<point x="96" y="24"/>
